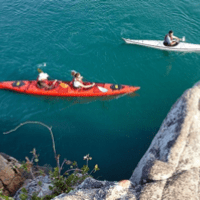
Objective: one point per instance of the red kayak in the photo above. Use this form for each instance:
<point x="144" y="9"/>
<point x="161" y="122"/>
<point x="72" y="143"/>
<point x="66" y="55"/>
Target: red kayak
<point x="66" y="89"/>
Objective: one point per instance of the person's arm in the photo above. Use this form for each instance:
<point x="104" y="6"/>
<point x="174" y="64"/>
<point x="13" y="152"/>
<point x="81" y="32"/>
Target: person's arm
<point x="45" y="86"/>
<point x="53" y="84"/>
<point x="87" y="86"/>
<point x="174" y="37"/>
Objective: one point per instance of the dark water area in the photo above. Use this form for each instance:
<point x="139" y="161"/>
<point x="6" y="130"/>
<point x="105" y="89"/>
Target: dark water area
<point x="59" y="36"/>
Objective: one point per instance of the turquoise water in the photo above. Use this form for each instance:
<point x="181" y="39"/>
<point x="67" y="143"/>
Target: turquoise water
<point x="86" y="36"/>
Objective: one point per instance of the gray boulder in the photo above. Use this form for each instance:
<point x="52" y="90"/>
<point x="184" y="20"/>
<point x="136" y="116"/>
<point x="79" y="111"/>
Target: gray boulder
<point x="92" y="189"/>
<point x="32" y="186"/>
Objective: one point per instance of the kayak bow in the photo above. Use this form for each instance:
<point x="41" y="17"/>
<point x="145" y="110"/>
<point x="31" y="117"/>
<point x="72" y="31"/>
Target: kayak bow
<point x="66" y="89"/>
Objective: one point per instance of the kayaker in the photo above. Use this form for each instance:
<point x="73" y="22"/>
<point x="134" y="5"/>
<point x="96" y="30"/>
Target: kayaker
<point x="169" y="39"/>
<point x="77" y="81"/>
<point x="43" y="82"/>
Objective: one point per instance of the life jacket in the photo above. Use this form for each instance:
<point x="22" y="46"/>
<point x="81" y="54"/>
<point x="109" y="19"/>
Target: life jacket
<point x="166" y="41"/>
<point x="74" y="79"/>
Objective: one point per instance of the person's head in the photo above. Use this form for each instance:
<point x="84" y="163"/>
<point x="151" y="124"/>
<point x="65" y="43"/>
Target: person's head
<point x="77" y="75"/>
<point x="170" y="32"/>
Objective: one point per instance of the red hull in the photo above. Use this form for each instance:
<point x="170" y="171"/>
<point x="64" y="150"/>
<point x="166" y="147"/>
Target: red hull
<point x="65" y="89"/>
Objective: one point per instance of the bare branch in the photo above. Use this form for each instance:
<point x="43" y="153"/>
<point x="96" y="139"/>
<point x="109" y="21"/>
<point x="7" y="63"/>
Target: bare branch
<point x="32" y="173"/>
<point x="91" y="171"/>
<point x="42" y="124"/>
<point x="62" y="164"/>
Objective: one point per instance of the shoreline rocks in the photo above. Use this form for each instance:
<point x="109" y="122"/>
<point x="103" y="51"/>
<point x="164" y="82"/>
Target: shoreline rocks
<point x="32" y="187"/>
<point x="11" y="178"/>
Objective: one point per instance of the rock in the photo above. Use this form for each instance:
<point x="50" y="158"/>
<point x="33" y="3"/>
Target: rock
<point x="6" y="172"/>
<point x="1" y="185"/>
<point x="32" y="186"/>
<point x="15" y="184"/>
<point x="11" y="160"/>
<point x="90" y="183"/>
<point x="170" y="167"/>
<point x="125" y="184"/>
<point x="10" y="177"/>
<point x="92" y="189"/>
<point x="182" y="186"/>
<point x="152" y="191"/>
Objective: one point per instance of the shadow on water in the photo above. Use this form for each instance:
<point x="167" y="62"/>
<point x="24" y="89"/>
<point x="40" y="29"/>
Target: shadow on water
<point x="85" y="100"/>
<point x="166" y="53"/>
<point x="58" y="104"/>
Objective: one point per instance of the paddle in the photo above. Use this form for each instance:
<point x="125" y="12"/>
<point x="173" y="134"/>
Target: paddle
<point x="39" y="70"/>
<point x="102" y="89"/>
<point x="182" y="39"/>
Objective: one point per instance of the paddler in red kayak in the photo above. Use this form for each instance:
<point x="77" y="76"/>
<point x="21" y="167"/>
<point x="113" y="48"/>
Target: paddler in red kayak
<point x="43" y="82"/>
<point x="77" y="81"/>
<point x="168" y="41"/>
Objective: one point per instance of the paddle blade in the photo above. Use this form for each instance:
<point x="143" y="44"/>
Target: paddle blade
<point x="39" y="70"/>
<point x="102" y="89"/>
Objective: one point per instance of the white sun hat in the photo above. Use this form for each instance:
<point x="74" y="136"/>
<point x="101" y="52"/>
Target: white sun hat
<point x="43" y="76"/>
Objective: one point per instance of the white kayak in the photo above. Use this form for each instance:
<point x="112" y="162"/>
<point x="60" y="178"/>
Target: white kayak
<point x="158" y="44"/>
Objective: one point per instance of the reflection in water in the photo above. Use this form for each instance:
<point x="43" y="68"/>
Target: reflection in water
<point x="85" y="100"/>
<point x="82" y="100"/>
<point x="169" y="59"/>
<point x="166" y="53"/>
<point x="168" y="69"/>
<point x="62" y="103"/>
<point x="133" y="95"/>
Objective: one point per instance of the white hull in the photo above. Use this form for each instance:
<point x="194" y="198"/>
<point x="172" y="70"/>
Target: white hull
<point x="158" y="44"/>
